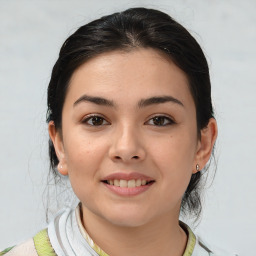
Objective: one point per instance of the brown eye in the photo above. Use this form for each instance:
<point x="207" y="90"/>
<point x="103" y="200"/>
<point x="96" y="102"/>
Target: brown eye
<point x="95" y="121"/>
<point x="160" y="121"/>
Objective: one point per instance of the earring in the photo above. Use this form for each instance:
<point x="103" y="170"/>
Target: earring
<point x="61" y="169"/>
<point x="197" y="167"/>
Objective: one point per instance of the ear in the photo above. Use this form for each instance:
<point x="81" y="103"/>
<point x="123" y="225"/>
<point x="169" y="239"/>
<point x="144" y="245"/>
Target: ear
<point x="59" y="148"/>
<point x="205" y="145"/>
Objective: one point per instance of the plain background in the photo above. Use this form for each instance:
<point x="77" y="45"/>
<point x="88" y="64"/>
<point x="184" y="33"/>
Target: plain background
<point x="31" y="33"/>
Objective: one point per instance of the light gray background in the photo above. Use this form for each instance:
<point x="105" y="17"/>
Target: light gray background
<point x="31" y="33"/>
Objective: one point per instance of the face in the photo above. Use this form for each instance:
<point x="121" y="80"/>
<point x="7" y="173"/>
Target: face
<point x="129" y="136"/>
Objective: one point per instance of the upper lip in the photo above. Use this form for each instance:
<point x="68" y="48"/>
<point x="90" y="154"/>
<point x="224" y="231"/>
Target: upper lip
<point x="127" y="176"/>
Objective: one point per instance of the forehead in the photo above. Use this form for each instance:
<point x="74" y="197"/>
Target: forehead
<point x="139" y="73"/>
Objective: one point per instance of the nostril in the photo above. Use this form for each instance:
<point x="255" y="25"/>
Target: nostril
<point x="134" y="157"/>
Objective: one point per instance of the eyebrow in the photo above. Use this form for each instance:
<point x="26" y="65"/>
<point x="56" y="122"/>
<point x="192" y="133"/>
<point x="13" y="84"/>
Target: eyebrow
<point x="96" y="100"/>
<point x="142" y="103"/>
<point x="158" y="100"/>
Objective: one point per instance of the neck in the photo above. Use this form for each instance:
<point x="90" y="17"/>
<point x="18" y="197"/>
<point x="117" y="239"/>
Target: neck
<point x="159" y="237"/>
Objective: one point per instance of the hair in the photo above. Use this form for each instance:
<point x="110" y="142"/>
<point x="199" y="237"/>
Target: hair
<point x="132" y="29"/>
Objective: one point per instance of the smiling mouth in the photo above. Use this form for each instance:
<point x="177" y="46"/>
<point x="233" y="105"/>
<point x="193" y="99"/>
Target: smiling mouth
<point x="128" y="183"/>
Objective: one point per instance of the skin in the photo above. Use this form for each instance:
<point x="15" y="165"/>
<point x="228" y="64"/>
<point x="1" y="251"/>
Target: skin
<point x="127" y="140"/>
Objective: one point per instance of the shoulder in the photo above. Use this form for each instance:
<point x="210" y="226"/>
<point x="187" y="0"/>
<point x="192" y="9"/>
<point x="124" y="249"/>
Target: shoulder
<point x="38" y="245"/>
<point x="196" y="246"/>
<point x="202" y="248"/>
<point x="26" y="248"/>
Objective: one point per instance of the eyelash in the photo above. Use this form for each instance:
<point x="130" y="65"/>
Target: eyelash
<point x="165" y="118"/>
<point x="88" y="118"/>
<point x="169" y="120"/>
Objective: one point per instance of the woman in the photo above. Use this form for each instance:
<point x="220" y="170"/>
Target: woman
<point x="131" y="124"/>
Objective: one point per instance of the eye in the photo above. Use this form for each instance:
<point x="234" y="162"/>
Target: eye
<point x="95" y="121"/>
<point x="160" y="121"/>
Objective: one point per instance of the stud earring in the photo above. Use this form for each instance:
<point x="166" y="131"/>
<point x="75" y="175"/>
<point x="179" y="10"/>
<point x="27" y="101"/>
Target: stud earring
<point x="61" y="169"/>
<point x="60" y="166"/>
<point x="197" y="167"/>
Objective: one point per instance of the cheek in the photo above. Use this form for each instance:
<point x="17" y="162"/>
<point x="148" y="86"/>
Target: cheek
<point x="175" y="150"/>
<point x="79" y="144"/>
<point x="174" y="159"/>
<point x="83" y="154"/>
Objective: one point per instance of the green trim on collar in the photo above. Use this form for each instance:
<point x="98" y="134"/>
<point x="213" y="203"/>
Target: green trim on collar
<point x="191" y="240"/>
<point x="43" y="245"/>
<point x="6" y="250"/>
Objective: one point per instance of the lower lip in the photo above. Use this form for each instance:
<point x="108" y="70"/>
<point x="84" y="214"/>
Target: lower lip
<point x="128" y="191"/>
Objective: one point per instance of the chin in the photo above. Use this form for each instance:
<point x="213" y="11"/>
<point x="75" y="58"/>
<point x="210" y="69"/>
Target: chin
<point x="127" y="218"/>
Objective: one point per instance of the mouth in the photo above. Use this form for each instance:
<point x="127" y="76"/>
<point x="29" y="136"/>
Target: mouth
<point x="128" y="183"/>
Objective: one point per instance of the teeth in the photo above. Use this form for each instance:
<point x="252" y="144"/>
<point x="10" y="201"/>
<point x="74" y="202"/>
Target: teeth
<point x="117" y="183"/>
<point x="138" y="183"/>
<point x="131" y="184"/>
<point x="123" y="183"/>
<point x="127" y="184"/>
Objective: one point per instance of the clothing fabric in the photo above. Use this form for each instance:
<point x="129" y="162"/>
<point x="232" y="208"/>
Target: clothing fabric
<point x="66" y="236"/>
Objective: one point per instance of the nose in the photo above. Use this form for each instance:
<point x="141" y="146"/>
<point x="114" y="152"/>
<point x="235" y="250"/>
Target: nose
<point x="127" y="146"/>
